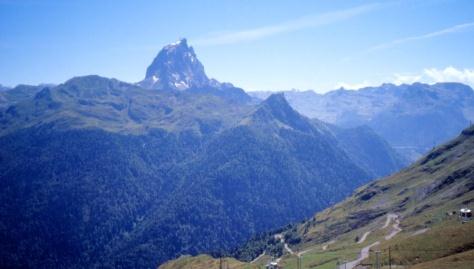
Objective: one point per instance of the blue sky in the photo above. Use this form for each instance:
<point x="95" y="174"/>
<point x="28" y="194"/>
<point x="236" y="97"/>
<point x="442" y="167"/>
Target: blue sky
<point x="257" y="45"/>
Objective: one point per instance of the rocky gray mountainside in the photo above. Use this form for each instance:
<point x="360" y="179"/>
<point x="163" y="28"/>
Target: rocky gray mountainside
<point x="96" y="172"/>
<point x="176" y="67"/>
<point x="412" y="118"/>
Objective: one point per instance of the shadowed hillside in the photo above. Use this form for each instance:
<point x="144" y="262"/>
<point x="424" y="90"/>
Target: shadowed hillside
<point x="408" y="217"/>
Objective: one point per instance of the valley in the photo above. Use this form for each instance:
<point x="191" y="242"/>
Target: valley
<point x="407" y="116"/>
<point x="405" y="220"/>
<point x="307" y="134"/>
<point x="96" y="172"/>
<point x="180" y="169"/>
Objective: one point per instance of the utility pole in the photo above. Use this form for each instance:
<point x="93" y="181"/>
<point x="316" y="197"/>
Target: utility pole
<point x="377" y="259"/>
<point x="389" y="259"/>
<point x="223" y="263"/>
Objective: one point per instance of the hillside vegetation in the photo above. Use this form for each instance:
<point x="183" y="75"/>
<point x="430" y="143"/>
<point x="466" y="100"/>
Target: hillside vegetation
<point x="98" y="172"/>
<point x="408" y="217"/>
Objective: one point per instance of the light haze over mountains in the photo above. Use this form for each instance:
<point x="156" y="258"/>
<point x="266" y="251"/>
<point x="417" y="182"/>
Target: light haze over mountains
<point x="116" y="154"/>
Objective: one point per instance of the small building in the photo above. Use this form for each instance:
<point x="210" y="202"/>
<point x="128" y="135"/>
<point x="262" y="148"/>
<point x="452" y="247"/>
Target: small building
<point x="272" y="265"/>
<point x="465" y="214"/>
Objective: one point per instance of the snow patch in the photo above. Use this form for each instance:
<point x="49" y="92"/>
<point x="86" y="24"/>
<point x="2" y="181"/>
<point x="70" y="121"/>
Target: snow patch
<point x="181" y="85"/>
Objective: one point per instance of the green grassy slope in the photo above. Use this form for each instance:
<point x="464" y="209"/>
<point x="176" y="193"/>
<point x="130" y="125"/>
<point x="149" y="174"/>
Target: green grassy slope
<point x="423" y="196"/>
<point x="119" y="107"/>
<point x="205" y="261"/>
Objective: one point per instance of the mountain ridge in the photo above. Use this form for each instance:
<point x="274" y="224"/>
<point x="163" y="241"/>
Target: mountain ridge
<point x="176" y="159"/>
<point x="132" y="177"/>
<point x="409" y="218"/>
<point x="407" y="115"/>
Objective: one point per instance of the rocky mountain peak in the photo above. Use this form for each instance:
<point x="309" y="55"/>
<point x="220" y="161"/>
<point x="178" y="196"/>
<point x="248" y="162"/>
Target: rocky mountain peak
<point x="175" y="67"/>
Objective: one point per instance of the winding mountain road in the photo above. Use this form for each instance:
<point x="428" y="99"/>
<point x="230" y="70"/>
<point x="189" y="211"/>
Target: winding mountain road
<point x="289" y="249"/>
<point x="362" y="239"/>
<point x="285" y="245"/>
<point x="422" y="231"/>
<point x="329" y="243"/>
<point x="259" y="256"/>
<point x="390" y="217"/>
<point x="364" y="253"/>
<point x="396" y="229"/>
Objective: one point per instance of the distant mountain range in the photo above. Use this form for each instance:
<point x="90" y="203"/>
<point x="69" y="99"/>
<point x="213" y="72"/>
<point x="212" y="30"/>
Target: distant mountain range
<point x="410" y="218"/>
<point x="412" y="118"/>
<point x="3" y="88"/>
<point x="96" y="172"/>
<point x="10" y="96"/>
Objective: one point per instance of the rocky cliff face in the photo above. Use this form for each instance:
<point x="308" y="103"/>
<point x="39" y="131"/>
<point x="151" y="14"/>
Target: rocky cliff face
<point x="176" y="67"/>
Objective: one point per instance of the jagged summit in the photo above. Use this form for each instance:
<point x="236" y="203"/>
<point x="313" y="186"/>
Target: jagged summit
<point x="175" y="67"/>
